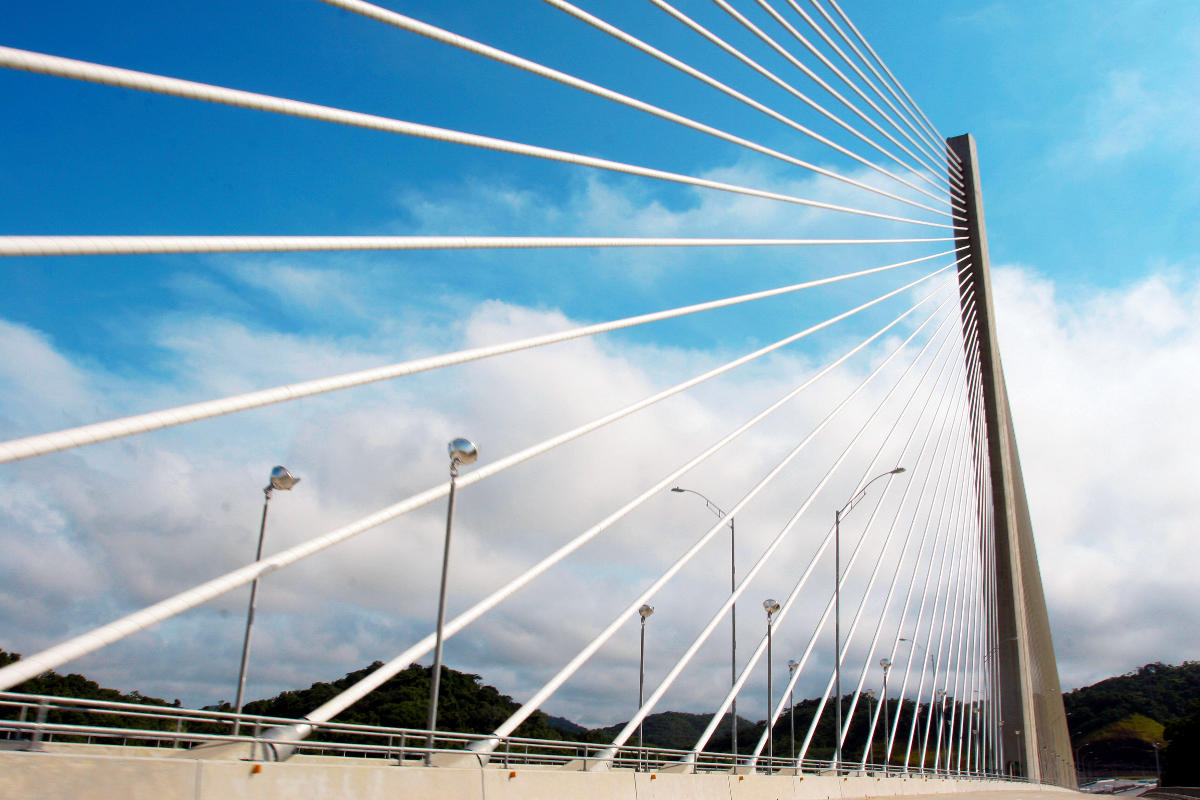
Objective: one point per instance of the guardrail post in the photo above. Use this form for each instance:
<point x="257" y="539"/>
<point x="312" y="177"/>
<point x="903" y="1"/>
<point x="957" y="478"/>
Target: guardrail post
<point x="35" y="742"/>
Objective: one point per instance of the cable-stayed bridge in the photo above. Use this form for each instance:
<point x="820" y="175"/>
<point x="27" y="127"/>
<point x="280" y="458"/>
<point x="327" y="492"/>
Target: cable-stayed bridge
<point x="854" y="527"/>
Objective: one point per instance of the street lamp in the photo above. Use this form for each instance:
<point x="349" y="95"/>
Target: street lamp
<point x="771" y="607"/>
<point x="886" y="664"/>
<point x="644" y="612"/>
<point x="283" y="480"/>
<point x="793" y="665"/>
<point x="837" y="609"/>
<point x="462" y="452"/>
<point x="870" y="716"/>
<point x="716" y="509"/>
<point x="937" y="751"/>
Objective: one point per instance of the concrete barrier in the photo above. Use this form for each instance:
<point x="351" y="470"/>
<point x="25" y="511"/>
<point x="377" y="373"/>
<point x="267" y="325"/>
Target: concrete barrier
<point x="79" y="773"/>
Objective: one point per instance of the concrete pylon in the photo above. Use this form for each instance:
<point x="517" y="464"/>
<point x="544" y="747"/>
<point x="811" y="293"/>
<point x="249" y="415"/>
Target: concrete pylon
<point x="1033" y="737"/>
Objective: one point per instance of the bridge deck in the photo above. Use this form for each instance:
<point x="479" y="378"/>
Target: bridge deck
<point x="83" y="772"/>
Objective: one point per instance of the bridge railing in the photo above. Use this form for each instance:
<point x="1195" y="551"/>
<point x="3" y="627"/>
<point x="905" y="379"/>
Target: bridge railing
<point x="30" y="722"/>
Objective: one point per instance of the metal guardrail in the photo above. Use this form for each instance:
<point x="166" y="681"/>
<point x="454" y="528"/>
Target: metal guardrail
<point x="28" y="722"/>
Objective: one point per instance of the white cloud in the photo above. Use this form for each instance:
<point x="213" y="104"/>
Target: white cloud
<point x="1136" y="112"/>
<point x="131" y="522"/>
<point x="1103" y="395"/>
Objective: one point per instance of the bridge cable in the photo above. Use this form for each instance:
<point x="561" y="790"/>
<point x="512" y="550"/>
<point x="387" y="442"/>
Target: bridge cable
<point x="119" y="629"/>
<point x="443" y="36"/>
<point x="822" y="704"/>
<point x="793" y="595"/>
<point x="160" y="84"/>
<point x="953" y="156"/>
<point x="68" y="438"/>
<point x="787" y="87"/>
<point x="861" y="541"/>
<point x="939" y="149"/>
<point x="648" y="706"/>
<point x="382" y="674"/>
<point x="575" y="663"/>
<point x="891" y="735"/>
<point x="918" y="158"/>
<point x="671" y="61"/>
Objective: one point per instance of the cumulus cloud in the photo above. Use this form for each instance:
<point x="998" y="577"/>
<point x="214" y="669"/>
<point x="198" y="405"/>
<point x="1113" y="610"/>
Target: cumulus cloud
<point x="1135" y="112"/>
<point x="97" y="532"/>
<point x="128" y="523"/>
<point x="1102" y="398"/>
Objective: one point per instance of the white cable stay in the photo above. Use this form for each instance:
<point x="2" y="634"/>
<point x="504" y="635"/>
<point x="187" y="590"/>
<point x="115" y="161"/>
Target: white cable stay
<point x="919" y="158"/>
<point x="916" y="635"/>
<point x="568" y="670"/>
<point x="765" y="558"/>
<point x="935" y="435"/>
<point x="944" y="648"/>
<point x="787" y="87"/>
<point x="961" y="484"/>
<point x="68" y="438"/>
<point x="825" y="697"/>
<point x="943" y="609"/>
<point x="848" y="716"/>
<point x="847" y="641"/>
<point x="946" y="561"/>
<point x="712" y="82"/>
<point x="443" y="36"/>
<point x="955" y="669"/>
<point x="938" y="145"/>
<point x="904" y="614"/>
<point x="755" y="657"/>
<point x="881" y="63"/>
<point x="160" y="84"/>
<point x="907" y="101"/>
<point x="142" y="245"/>
<point x="939" y="156"/>
<point x="354" y="693"/>
<point x="964" y="685"/>
<point x="912" y="578"/>
<point x="114" y="631"/>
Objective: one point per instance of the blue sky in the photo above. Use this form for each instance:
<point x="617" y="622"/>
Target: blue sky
<point x="1084" y="114"/>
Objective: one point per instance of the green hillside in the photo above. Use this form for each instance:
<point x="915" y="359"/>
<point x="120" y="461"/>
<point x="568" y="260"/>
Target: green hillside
<point x="465" y="705"/>
<point x="1116" y="723"/>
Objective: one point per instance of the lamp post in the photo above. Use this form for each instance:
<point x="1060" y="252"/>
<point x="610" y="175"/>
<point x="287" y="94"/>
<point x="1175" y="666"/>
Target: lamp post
<point x="1157" y="769"/>
<point x="462" y="452"/>
<point x="644" y="612"/>
<point x="870" y="716"/>
<point x="716" y="509"/>
<point x="886" y="664"/>
<point x="771" y="607"/>
<point x="941" y="697"/>
<point x="283" y="480"/>
<point x="793" y="665"/>
<point x="837" y="610"/>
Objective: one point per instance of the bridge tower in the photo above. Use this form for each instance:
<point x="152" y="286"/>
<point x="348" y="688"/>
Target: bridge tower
<point x="1034" y="737"/>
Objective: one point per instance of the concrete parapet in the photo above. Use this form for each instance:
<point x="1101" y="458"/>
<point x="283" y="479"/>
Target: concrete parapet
<point x="77" y="774"/>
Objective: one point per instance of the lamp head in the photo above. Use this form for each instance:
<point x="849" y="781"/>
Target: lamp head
<point x="897" y="471"/>
<point x="793" y="664"/>
<point x="770" y="606"/>
<point x="646" y="610"/>
<point x="462" y="451"/>
<point x="677" y="489"/>
<point x="282" y="479"/>
<point x="885" y="662"/>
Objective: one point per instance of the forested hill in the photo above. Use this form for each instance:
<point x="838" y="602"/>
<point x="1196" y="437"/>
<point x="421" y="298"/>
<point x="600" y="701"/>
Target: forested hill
<point x="465" y="704"/>
<point x="1159" y="691"/>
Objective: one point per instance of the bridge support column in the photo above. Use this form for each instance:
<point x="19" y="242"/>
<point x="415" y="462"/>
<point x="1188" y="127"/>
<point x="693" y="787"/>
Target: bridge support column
<point x="1023" y="665"/>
